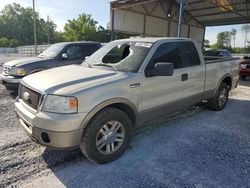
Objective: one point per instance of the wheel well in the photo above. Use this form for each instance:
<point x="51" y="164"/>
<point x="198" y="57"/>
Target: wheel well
<point x="228" y="81"/>
<point x="127" y="109"/>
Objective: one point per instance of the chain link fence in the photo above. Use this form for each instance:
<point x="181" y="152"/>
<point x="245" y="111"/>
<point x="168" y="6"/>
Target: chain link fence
<point x="30" y="50"/>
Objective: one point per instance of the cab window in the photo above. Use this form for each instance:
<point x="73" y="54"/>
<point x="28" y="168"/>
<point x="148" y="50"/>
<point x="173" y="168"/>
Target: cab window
<point x="167" y="53"/>
<point x="192" y="54"/>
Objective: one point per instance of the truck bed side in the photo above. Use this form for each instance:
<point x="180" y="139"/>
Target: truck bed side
<point x="217" y="70"/>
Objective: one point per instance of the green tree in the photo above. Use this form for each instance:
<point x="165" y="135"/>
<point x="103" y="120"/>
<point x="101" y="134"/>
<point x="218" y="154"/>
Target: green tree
<point x="4" y="42"/>
<point x="82" y="28"/>
<point x="224" y="40"/>
<point x="206" y="43"/>
<point x="233" y="35"/>
<point x="16" y="22"/>
<point x="245" y="29"/>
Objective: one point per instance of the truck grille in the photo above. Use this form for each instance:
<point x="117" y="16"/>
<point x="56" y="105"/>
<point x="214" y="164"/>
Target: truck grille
<point x="6" y="70"/>
<point x="29" y="96"/>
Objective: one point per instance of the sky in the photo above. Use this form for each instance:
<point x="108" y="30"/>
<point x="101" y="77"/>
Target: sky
<point x="62" y="10"/>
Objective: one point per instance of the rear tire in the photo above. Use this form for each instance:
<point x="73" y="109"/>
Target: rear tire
<point x="107" y="135"/>
<point x="219" y="101"/>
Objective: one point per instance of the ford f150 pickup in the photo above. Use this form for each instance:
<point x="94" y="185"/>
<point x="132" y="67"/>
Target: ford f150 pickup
<point x="57" y="55"/>
<point x="122" y="86"/>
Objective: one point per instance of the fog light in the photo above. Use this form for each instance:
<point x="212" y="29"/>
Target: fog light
<point x="45" y="137"/>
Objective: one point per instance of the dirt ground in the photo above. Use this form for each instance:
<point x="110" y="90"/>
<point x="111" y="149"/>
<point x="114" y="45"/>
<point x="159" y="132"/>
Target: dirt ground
<point x="199" y="148"/>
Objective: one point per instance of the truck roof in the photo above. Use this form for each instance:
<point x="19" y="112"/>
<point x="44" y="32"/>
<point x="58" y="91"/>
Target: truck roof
<point x="155" y="39"/>
<point x="76" y="42"/>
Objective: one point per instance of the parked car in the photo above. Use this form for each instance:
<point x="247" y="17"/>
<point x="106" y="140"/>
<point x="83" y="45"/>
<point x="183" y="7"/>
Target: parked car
<point x="245" y="68"/>
<point x="217" y="53"/>
<point x="118" y="89"/>
<point x="57" y="55"/>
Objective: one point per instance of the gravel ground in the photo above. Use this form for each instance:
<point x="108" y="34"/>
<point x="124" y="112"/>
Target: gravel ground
<point x="199" y="148"/>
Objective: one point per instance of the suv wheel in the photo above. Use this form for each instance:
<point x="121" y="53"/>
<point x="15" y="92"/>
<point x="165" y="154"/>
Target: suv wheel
<point x="107" y="135"/>
<point x="219" y="101"/>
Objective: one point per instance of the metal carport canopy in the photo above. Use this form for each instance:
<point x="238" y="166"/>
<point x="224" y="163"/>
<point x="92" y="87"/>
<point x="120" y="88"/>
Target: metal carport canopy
<point x="161" y="17"/>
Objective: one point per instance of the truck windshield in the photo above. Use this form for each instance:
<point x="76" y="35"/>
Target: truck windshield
<point x="124" y="56"/>
<point x="52" y="51"/>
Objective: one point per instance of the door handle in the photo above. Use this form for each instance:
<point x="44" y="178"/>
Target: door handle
<point x="184" y="77"/>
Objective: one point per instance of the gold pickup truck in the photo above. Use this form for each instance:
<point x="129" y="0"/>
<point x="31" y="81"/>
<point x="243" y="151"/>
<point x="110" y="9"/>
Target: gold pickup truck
<point x="97" y="105"/>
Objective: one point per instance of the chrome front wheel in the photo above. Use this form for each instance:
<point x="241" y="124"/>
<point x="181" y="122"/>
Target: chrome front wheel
<point x="110" y="137"/>
<point x="107" y="135"/>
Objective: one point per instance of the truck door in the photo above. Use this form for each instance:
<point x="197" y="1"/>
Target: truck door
<point x="195" y="72"/>
<point x="163" y="95"/>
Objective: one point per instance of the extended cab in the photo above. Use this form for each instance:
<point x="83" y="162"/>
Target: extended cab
<point x="57" y="55"/>
<point x="122" y="86"/>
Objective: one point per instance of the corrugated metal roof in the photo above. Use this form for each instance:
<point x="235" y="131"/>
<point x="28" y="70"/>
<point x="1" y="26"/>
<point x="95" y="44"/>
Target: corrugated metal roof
<point x="205" y="12"/>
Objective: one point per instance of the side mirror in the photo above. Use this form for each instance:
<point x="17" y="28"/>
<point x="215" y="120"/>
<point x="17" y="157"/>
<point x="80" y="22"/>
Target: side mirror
<point x="86" y="57"/>
<point x="64" y="56"/>
<point x="161" y="69"/>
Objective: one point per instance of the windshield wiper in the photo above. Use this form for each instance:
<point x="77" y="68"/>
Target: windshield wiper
<point x="104" y="65"/>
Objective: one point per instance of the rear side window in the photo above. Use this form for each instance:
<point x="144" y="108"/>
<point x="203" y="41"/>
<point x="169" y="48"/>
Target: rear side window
<point x="193" y="56"/>
<point x="168" y="53"/>
<point x="89" y="49"/>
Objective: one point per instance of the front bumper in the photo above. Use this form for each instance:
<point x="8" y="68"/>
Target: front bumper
<point x="10" y="79"/>
<point x="51" y="130"/>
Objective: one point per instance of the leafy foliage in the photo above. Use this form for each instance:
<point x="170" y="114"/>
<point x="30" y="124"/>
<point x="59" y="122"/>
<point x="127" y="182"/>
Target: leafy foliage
<point x="82" y="28"/>
<point x="245" y="29"/>
<point x="16" y="28"/>
<point x="206" y="43"/>
<point x="4" y="42"/>
<point x="16" y="23"/>
<point x="225" y="38"/>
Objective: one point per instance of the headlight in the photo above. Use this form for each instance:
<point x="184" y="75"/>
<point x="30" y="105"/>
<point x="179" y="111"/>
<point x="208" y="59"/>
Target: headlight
<point x="60" y="104"/>
<point x="17" y="71"/>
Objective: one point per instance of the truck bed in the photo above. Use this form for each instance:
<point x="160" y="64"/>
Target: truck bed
<point x="213" y="59"/>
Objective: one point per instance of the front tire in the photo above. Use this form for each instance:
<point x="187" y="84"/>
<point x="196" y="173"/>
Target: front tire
<point x="219" y="101"/>
<point x="107" y="135"/>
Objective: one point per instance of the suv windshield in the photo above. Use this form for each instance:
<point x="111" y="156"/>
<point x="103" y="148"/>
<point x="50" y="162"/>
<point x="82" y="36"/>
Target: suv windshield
<point x="124" y="56"/>
<point x="52" y="51"/>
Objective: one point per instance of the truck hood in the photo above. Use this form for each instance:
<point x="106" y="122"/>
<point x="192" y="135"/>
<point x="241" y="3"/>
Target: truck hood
<point x="69" y="79"/>
<point x="24" y="61"/>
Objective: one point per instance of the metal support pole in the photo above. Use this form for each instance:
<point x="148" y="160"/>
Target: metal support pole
<point x="34" y="25"/>
<point x="48" y="28"/>
<point x="203" y="37"/>
<point x="180" y="17"/>
<point x="112" y="25"/>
